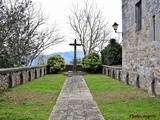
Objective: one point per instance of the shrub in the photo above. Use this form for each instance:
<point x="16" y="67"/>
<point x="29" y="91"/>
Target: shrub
<point x="92" y="63"/>
<point x="56" y="63"/>
<point x="112" y="54"/>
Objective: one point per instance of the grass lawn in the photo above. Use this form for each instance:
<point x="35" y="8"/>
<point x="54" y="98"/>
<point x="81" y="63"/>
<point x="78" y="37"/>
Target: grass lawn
<point x="31" y="101"/>
<point x="118" y="101"/>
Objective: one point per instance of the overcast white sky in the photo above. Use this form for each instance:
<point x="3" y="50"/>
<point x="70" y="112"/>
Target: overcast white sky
<point x="58" y="10"/>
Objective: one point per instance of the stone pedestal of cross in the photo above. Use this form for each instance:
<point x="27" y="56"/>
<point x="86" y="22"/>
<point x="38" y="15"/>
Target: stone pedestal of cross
<point x="75" y="61"/>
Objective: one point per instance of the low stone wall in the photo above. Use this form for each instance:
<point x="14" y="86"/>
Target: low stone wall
<point x="113" y="71"/>
<point x="152" y="84"/>
<point x="12" y="77"/>
<point x="69" y="67"/>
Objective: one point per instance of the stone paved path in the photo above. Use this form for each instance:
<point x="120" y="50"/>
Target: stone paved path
<point x="75" y="102"/>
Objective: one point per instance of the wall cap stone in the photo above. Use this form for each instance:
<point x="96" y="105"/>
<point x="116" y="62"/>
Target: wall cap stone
<point x="113" y="67"/>
<point x="7" y="70"/>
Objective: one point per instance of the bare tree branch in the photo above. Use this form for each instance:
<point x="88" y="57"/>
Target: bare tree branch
<point x="90" y="27"/>
<point x="23" y="35"/>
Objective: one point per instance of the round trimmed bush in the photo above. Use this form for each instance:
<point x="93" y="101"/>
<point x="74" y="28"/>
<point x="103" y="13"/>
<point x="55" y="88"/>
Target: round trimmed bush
<point x="56" y="63"/>
<point x="92" y="63"/>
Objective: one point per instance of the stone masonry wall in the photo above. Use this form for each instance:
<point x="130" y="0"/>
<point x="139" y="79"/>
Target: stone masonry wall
<point x="17" y="76"/>
<point x="112" y="71"/>
<point x="141" y="49"/>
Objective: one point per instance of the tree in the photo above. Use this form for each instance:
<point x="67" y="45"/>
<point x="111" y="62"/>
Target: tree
<point x="21" y="36"/>
<point x="92" y="62"/>
<point x="56" y="63"/>
<point x="41" y="59"/>
<point x="112" y="54"/>
<point x="90" y="27"/>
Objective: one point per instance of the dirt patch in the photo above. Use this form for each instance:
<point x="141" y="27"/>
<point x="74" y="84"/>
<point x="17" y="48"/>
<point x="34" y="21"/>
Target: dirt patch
<point x="18" y="96"/>
<point x="120" y="95"/>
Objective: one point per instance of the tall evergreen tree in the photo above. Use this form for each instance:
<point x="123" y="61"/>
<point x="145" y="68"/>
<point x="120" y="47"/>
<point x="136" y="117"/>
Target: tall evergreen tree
<point x="112" y="54"/>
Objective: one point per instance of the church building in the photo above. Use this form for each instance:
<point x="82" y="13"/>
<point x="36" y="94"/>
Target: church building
<point x="141" y="43"/>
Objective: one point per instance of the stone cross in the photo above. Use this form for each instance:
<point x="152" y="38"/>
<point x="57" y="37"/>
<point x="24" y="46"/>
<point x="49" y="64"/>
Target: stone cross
<point x="74" y="61"/>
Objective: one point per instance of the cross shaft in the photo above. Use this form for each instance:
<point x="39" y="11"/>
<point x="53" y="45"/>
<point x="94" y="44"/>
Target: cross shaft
<point x="75" y="61"/>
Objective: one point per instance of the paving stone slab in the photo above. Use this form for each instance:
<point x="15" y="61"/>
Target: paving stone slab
<point x="75" y="102"/>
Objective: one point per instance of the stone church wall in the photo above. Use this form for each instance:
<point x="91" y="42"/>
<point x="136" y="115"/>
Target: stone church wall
<point x="141" y="48"/>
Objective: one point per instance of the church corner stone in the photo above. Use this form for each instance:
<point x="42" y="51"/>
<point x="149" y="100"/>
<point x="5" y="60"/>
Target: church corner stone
<point x="141" y="43"/>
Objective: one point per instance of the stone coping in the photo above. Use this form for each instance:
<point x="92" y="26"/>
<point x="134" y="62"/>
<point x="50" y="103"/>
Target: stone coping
<point x="6" y="70"/>
<point x="115" y="67"/>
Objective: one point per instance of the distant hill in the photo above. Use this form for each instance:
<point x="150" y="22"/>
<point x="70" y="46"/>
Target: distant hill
<point x="68" y="56"/>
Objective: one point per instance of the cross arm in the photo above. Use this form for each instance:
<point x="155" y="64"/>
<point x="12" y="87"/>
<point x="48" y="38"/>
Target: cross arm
<point x="72" y="44"/>
<point x="75" y="44"/>
<point x="78" y="44"/>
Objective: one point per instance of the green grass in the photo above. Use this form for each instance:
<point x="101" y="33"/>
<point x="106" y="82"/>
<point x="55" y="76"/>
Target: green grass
<point x="118" y="101"/>
<point x="98" y="83"/>
<point x="31" y="101"/>
<point x="48" y="83"/>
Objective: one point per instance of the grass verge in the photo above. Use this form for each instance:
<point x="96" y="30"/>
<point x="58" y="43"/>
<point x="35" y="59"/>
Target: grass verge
<point x="118" y="101"/>
<point x="31" y="101"/>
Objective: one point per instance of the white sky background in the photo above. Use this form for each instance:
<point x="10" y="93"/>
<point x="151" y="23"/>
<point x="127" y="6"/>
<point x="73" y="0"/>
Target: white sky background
<point x="58" y="10"/>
